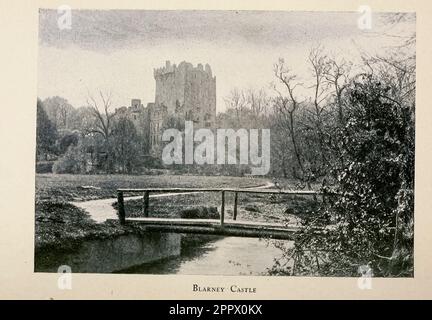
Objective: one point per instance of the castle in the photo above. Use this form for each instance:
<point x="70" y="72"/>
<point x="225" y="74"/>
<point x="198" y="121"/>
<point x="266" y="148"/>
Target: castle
<point x="184" y="90"/>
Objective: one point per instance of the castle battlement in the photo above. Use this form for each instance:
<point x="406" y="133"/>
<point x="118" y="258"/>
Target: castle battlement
<point x="183" y="67"/>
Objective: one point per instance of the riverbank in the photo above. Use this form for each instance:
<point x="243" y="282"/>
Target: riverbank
<point x="61" y="226"/>
<point x="62" y="229"/>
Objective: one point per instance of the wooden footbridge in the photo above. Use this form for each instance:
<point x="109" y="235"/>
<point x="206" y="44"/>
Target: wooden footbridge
<point x="220" y="226"/>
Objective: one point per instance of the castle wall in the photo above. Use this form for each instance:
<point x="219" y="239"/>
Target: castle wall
<point x="157" y="115"/>
<point x="135" y="112"/>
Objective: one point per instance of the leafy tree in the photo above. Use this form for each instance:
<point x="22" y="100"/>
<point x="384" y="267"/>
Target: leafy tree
<point x="46" y="133"/>
<point x="73" y="161"/>
<point x="82" y="119"/>
<point x="60" y="111"/>
<point x="125" y="142"/>
<point x="68" y="139"/>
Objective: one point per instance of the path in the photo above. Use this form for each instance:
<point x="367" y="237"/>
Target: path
<point x="102" y="209"/>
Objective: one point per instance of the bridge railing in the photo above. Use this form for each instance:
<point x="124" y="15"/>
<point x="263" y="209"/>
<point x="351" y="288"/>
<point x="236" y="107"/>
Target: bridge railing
<point x="146" y="197"/>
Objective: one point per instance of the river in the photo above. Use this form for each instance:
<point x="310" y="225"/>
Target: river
<point x="217" y="256"/>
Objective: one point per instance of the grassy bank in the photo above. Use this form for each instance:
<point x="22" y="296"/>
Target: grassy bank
<point x="63" y="226"/>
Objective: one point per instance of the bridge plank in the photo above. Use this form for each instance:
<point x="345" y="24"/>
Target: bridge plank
<point x="210" y="226"/>
<point x="210" y="222"/>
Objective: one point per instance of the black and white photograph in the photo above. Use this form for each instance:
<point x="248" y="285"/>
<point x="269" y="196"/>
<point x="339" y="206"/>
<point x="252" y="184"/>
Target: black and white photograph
<point x="225" y="143"/>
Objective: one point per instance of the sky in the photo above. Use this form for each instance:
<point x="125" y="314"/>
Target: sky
<point x="117" y="50"/>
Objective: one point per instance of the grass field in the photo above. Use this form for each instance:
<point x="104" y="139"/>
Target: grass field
<point x="250" y="207"/>
<point x="67" y="187"/>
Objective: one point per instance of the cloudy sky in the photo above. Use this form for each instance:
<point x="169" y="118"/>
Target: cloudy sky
<point x="117" y="50"/>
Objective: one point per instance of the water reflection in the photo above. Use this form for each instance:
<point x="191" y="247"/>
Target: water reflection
<point x="210" y="255"/>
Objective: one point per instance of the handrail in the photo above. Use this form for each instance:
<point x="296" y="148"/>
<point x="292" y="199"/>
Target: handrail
<point x="242" y="190"/>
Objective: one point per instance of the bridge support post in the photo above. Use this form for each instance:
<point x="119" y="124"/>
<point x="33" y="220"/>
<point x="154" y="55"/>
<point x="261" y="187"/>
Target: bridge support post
<point x="146" y="199"/>
<point x="222" y="216"/>
<point x="235" y="205"/>
<point x="121" y="209"/>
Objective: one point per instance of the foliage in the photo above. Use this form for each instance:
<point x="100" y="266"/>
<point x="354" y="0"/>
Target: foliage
<point x="368" y="219"/>
<point x="73" y="161"/>
<point x="46" y="132"/>
<point x="82" y="120"/>
<point x="44" y="166"/>
<point x="200" y="212"/>
<point x="59" y="111"/>
<point x="66" y="140"/>
<point x="125" y="145"/>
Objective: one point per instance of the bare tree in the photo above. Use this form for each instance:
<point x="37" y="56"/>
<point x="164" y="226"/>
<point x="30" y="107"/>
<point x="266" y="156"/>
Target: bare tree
<point x="287" y="107"/>
<point x="103" y="122"/>
<point x="237" y="102"/>
<point x="102" y="115"/>
<point x="397" y="73"/>
<point x="257" y="102"/>
<point x="307" y="123"/>
<point x="337" y="78"/>
<point x="319" y="68"/>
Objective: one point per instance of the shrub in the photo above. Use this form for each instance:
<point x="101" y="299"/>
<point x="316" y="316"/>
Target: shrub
<point x="372" y="208"/>
<point x="73" y="161"/>
<point x="200" y="213"/>
<point x="44" y="167"/>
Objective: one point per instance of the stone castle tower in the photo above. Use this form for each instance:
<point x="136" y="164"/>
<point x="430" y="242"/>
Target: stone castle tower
<point x="184" y="90"/>
<point x="189" y="90"/>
